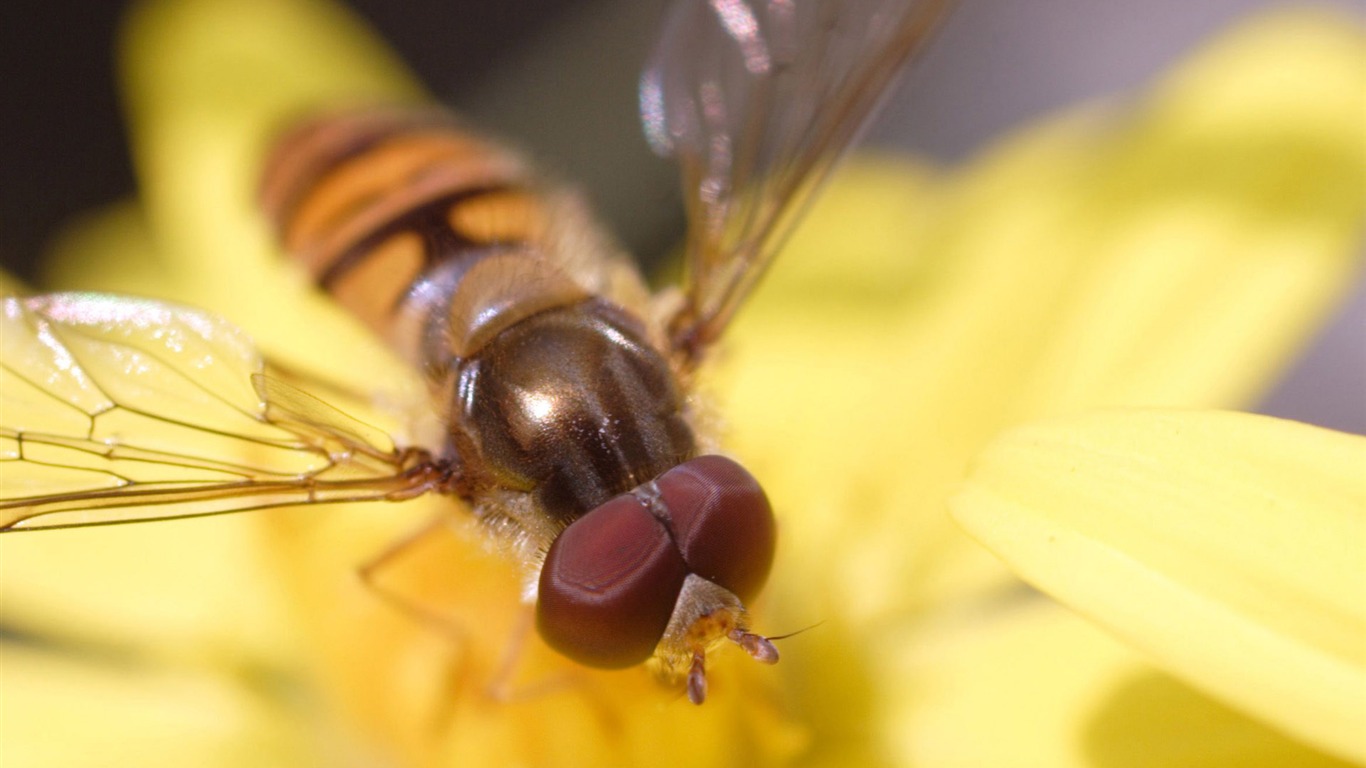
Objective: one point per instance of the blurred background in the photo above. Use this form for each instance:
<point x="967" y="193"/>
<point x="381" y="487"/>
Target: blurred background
<point x="558" y="79"/>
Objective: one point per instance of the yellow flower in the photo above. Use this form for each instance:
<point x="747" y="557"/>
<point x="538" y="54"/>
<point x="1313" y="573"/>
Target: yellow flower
<point x="1227" y="546"/>
<point x="1175" y="256"/>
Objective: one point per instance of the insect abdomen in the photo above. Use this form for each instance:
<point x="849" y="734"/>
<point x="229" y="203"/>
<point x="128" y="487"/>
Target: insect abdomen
<point x="371" y="203"/>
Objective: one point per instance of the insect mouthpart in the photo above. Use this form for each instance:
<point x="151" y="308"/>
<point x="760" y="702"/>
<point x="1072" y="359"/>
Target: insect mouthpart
<point x="662" y="571"/>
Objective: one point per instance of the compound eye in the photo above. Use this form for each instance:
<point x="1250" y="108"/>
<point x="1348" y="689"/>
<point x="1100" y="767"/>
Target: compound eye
<point x="609" y="585"/>
<point x="722" y="522"/>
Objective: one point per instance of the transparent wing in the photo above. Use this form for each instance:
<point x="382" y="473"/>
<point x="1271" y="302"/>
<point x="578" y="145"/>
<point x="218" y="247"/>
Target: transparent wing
<point x="117" y="410"/>
<point x="756" y="100"/>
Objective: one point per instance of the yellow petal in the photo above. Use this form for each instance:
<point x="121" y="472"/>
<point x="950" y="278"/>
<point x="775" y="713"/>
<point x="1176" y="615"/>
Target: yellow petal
<point x="1038" y="685"/>
<point x="62" y="709"/>
<point x="1230" y="547"/>
<point x="1299" y="62"/>
<point x="1231" y="212"/>
<point x="196" y="588"/>
<point x="109" y="250"/>
<point x="1104" y="258"/>
<point x="209" y="85"/>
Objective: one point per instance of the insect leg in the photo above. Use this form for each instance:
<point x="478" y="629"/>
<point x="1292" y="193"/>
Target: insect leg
<point x="423" y="614"/>
<point x="503" y="688"/>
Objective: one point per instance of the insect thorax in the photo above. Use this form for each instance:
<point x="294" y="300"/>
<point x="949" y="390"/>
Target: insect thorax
<point x="570" y="405"/>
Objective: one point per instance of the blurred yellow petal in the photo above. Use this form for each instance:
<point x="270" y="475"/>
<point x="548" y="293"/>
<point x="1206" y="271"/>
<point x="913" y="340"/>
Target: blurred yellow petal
<point x="110" y="250"/>
<point x="1230" y="223"/>
<point x="1039" y="281"/>
<point x="1303" y="63"/>
<point x="209" y="85"/>
<point x="1041" y="682"/>
<point x="171" y="588"/>
<point x="131" y="713"/>
<point x="1230" y="547"/>
<point x="1091" y="261"/>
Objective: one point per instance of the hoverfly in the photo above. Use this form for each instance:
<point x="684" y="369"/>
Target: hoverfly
<point x="560" y="381"/>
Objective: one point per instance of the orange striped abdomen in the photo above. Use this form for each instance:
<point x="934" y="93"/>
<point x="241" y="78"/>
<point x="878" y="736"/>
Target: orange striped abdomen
<point x="376" y="204"/>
